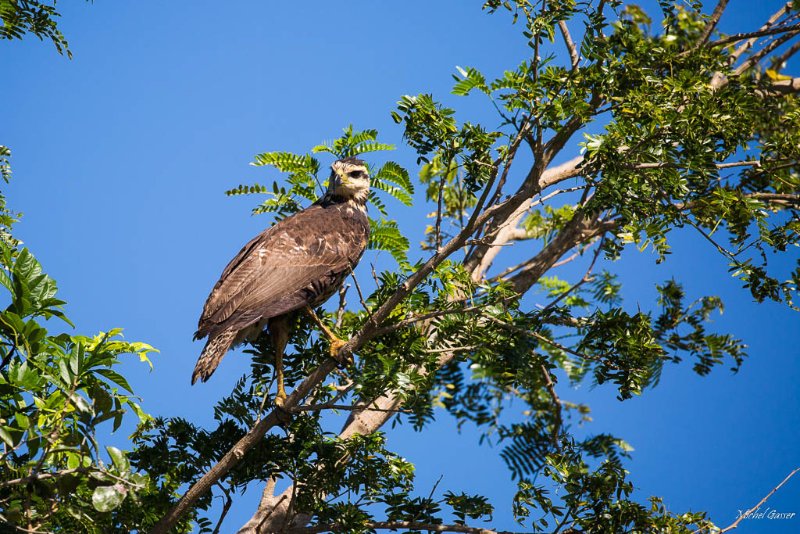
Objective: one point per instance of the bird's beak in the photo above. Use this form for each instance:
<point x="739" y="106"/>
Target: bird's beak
<point x="341" y="176"/>
<point x="336" y="178"/>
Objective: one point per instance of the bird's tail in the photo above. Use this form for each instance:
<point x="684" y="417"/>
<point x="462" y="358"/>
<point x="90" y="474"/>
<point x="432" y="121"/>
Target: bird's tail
<point x="216" y="347"/>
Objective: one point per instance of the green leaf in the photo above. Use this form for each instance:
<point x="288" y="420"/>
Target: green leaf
<point x="385" y="235"/>
<point x="470" y="79"/>
<point x="5" y="435"/>
<point x="108" y="498"/>
<point x="288" y="162"/>
<point x="394" y="180"/>
<point x="119" y="458"/>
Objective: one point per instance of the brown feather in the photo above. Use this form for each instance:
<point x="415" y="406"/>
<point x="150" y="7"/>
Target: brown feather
<point x="299" y="261"/>
<point x="213" y="352"/>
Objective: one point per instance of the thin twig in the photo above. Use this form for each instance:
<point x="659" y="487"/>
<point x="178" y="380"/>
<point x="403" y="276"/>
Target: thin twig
<point x="670" y="165"/>
<point x="342" y="306"/>
<point x="569" y="259"/>
<point x="42" y="476"/>
<point x="746" y="45"/>
<point x="755" y="35"/>
<point x="225" y="508"/>
<point x="570" y="44"/>
<point x="551" y="389"/>
<point x="712" y="21"/>
<point x="788" y="53"/>
<point x="453" y="349"/>
<point x="57" y="474"/>
<point x="424" y="317"/>
<point x="437" y="243"/>
<point x="509" y="159"/>
<point x="758" y="56"/>
<point x="586" y="277"/>
<point x="360" y="294"/>
<point x="735" y="524"/>
<point x="556" y="344"/>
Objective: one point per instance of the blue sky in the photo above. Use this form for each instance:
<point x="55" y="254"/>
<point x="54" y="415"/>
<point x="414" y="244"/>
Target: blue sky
<point x="122" y="155"/>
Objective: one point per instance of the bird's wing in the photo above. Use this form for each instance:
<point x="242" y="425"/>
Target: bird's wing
<point x="266" y="278"/>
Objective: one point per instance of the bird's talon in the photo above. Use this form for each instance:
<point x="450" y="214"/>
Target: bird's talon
<point x="343" y="359"/>
<point x="284" y="415"/>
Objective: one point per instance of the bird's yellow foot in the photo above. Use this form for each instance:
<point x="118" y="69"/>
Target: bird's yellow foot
<point x="336" y="346"/>
<point x="284" y="416"/>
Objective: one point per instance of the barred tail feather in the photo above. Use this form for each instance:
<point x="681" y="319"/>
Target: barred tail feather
<point x="213" y="352"/>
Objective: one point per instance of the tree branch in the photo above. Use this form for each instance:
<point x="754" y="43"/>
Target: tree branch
<point x="225" y="509"/>
<point x="367" y="332"/>
<point x="551" y="389"/>
<point x="712" y="21"/>
<point x="364" y="422"/>
<point x="788" y="53"/>
<point x="760" y="503"/>
<point x="483" y="257"/>
<point x="752" y="36"/>
<point x="586" y="278"/>
<point x="579" y="229"/>
<point x="758" y="56"/>
<point x="570" y="44"/>
<point x="783" y="87"/>
<point x="43" y="476"/>
<point x="670" y="165"/>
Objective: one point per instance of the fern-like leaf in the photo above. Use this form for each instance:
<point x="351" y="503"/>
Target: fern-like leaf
<point x="371" y="146"/>
<point x="394" y="191"/>
<point x="363" y="136"/>
<point x="376" y="201"/>
<point x="384" y="235"/>
<point x="394" y="173"/>
<point x="471" y="78"/>
<point x="352" y="144"/>
<point x="288" y="162"/>
<point x="247" y="190"/>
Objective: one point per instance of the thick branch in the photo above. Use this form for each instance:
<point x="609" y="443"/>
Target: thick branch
<point x="483" y="257"/>
<point x="783" y="87"/>
<point x="372" y="417"/>
<point x="579" y="229"/>
<point x="367" y="332"/>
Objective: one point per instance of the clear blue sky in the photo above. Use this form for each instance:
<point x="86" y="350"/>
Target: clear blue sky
<point x="121" y="157"/>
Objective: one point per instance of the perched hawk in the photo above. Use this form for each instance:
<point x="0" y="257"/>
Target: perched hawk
<point x="296" y="264"/>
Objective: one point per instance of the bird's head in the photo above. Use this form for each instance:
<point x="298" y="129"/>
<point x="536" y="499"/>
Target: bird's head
<point x="349" y="180"/>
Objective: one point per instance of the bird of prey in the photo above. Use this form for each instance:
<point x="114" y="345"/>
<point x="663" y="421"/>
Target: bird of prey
<point x="296" y="264"/>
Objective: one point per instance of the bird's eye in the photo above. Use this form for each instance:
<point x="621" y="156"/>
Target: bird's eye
<point x="354" y="174"/>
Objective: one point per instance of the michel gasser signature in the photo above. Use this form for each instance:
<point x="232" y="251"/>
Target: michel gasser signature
<point x="766" y="513"/>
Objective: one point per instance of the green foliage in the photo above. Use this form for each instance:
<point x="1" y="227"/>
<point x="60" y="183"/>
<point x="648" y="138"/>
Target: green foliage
<point x="7" y="217"/>
<point x="31" y="16"/>
<point x="354" y="144"/>
<point x="385" y="235"/>
<point x="304" y="186"/>
<point x="57" y="392"/>
<point x="687" y="141"/>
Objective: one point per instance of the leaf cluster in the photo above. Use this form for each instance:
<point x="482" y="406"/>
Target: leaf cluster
<point x="303" y="186"/>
